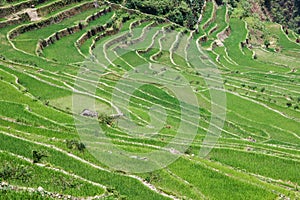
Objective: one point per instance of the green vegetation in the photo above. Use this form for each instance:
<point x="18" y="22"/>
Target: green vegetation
<point x="287" y="13"/>
<point x="185" y="13"/>
<point x="46" y="153"/>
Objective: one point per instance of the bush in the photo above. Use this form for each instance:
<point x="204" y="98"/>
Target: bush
<point x="74" y="144"/>
<point x="105" y="119"/>
<point x="252" y="87"/>
<point x="267" y="43"/>
<point x="38" y="155"/>
<point x="153" y="177"/>
<point x="189" y="150"/>
<point x="46" y="102"/>
<point x="183" y="12"/>
<point x="11" y="171"/>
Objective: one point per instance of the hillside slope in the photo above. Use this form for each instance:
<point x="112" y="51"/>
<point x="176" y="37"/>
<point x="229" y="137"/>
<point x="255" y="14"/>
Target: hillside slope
<point x="99" y="101"/>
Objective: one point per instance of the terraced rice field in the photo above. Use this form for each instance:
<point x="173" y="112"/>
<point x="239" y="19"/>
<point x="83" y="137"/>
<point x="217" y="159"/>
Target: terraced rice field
<point x="195" y="115"/>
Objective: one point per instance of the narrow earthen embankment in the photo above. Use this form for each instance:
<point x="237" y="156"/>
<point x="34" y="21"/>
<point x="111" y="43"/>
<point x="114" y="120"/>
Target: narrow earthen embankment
<point x="71" y="30"/>
<point x="51" y="20"/>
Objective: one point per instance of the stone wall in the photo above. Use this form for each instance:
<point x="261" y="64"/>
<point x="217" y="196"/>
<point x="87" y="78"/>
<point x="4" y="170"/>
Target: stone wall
<point x="22" y="18"/>
<point x="8" y="10"/>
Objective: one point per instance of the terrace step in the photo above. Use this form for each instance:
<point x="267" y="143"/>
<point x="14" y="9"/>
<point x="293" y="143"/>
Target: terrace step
<point x="71" y="30"/>
<point x="11" y="9"/>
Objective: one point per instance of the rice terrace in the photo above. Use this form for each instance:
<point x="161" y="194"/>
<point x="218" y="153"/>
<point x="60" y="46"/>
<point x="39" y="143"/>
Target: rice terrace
<point x="150" y="99"/>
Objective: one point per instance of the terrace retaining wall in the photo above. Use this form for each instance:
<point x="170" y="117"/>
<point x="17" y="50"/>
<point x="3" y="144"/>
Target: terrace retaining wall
<point x="51" y="20"/>
<point x="22" y="18"/>
<point x="70" y="30"/>
<point x="54" y="6"/>
<point x="8" y="10"/>
<point x="212" y="19"/>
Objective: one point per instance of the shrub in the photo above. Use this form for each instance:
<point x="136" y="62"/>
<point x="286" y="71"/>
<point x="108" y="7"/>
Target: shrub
<point x="25" y="91"/>
<point x="252" y="87"/>
<point x="115" y="193"/>
<point x="46" y="102"/>
<point x="74" y="144"/>
<point x="189" y="150"/>
<point x="15" y="171"/>
<point x="152" y="177"/>
<point x="289" y="104"/>
<point x="267" y="43"/>
<point x="38" y="155"/>
<point x="105" y="119"/>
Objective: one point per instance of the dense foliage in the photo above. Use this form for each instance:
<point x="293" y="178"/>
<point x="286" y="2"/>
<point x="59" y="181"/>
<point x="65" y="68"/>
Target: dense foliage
<point x="183" y="12"/>
<point x="285" y="12"/>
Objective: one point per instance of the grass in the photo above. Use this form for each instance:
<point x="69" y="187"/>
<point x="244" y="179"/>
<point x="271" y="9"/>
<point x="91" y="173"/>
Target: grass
<point x="220" y="20"/>
<point x="256" y="156"/>
<point x="221" y="185"/>
<point x="258" y="164"/>
<point x="69" y="53"/>
<point x="287" y="46"/>
<point x="69" y="164"/>
<point x="45" y="32"/>
<point x="50" y="180"/>
<point x="207" y="13"/>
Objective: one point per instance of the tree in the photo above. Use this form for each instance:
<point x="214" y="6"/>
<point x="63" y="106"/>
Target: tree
<point x="267" y="3"/>
<point x="81" y="147"/>
<point x="190" y="22"/>
<point x="116" y="1"/>
<point x="183" y="12"/>
<point x="176" y="16"/>
<point x="80" y="26"/>
<point x="247" y="8"/>
<point x="219" y="2"/>
<point x="233" y="3"/>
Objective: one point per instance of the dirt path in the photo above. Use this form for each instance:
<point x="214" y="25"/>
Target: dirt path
<point x="33" y="14"/>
